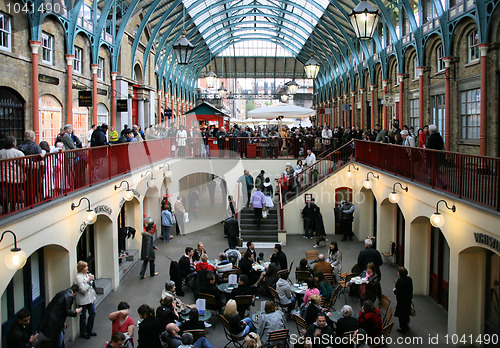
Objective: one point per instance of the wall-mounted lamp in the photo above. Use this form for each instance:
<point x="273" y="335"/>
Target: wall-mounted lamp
<point x="367" y="183"/>
<point x="393" y="196"/>
<point x="16" y="259"/>
<point x="349" y="173"/>
<point x="128" y="195"/>
<point x="90" y="215"/>
<point x="437" y="220"/>
<point x="166" y="173"/>
<point x="152" y="180"/>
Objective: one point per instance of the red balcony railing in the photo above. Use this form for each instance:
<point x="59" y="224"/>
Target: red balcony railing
<point x="475" y="178"/>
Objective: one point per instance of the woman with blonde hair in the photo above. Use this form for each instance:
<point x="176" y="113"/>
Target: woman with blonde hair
<point x="253" y="340"/>
<point x="239" y="326"/>
<point x="85" y="298"/>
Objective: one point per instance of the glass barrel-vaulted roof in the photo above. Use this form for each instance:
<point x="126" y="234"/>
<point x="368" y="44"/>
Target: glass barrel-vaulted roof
<point x="256" y="21"/>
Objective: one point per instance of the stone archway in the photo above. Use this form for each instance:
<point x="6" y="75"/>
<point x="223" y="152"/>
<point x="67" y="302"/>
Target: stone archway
<point x="386" y="225"/>
<point x="418" y="254"/>
<point x="152" y="207"/>
<point x="366" y="214"/>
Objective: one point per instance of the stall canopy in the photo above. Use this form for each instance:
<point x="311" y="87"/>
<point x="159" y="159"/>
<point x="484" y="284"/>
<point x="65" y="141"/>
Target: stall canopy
<point x="205" y="115"/>
<point x="285" y="110"/>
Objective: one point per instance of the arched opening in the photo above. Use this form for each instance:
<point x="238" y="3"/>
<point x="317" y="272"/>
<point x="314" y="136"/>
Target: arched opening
<point x="50" y="118"/>
<point x="129" y="231"/>
<point x="12" y="111"/>
<point x="418" y="255"/>
<point x="387" y="225"/>
<point x="365" y="214"/>
<point x="138" y="74"/>
<point x="439" y="277"/>
<point x="342" y="194"/>
<point x="80" y="121"/>
<point x="152" y="208"/>
<point x="102" y="114"/>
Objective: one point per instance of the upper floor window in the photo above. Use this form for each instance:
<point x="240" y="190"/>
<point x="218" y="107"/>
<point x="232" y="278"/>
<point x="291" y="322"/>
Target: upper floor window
<point x="415" y="66"/>
<point x="77" y="64"/>
<point x="473" y="45"/>
<point x="47" y="48"/>
<point x="5" y="32"/>
<point x="470" y="102"/>
<point x="100" y="69"/>
<point x="439" y="58"/>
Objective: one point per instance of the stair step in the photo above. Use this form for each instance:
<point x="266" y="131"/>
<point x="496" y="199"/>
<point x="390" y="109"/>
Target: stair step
<point x="102" y="289"/>
<point x="128" y="262"/>
<point x="259" y="238"/>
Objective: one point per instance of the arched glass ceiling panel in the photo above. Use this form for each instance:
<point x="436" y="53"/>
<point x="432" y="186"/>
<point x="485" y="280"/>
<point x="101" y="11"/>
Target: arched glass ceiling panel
<point x="255" y="48"/>
<point x="253" y="9"/>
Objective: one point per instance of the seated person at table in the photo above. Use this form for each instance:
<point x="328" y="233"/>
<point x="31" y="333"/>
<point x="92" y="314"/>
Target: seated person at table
<point x="322" y="266"/>
<point x="314" y="309"/>
<point x="260" y="258"/>
<point x="270" y="320"/>
<point x="370" y="319"/>
<point x="303" y="266"/>
<point x="188" y="341"/>
<point x="242" y="290"/>
<point x="169" y="291"/>
<point x="272" y="271"/>
<point x="166" y="313"/>
<point x="317" y="331"/>
<point x="116" y="341"/>
<point x="193" y="323"/>
<point x="325" y="288"/>
<point x="281" y="256"/>
<point x="251" y="249"/>
<point x="173" y="340"/>
<point x="347" y="323"/>
<point x="239" y="326"/>
<point x="369" y="290"/>
<point x="200" y="250"/>
<point x="186" y="264"/>
<point x="311" y="290"/>
<point x="211" y="289"/>
<point x="284" y="291"/>
<point x="204" y="265"/>
<point x="224" y="265"/>
<point x="246" y="268"/>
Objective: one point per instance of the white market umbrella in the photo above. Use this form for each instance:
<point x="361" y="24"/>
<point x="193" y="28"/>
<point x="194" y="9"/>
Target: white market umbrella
<point x="286" y="110"/>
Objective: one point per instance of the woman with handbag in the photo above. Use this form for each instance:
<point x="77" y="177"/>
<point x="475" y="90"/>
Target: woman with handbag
<point x="404" y="296"/>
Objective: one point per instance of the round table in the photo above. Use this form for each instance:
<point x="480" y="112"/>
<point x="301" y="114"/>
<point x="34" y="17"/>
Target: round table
<point x="298" y="289"/>
<point x="206" y="315"/>
<point x="224" y="287"/>
<point x="260" y="268"/>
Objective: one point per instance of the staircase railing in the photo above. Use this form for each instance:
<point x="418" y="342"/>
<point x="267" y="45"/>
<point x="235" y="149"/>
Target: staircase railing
<point x="314" y="174"/>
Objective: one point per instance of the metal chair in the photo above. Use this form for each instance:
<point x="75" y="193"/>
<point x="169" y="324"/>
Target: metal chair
<point x="278" y="335"/>
<point x="236" y="341"/>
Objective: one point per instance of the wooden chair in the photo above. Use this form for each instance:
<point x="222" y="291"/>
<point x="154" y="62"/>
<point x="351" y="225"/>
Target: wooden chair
<point x="388" y="317"/>
<point x="330" y="277"/>
<point x="225" y="275"/>
<point x="300" y="323"/>
<point x="243" y="302"/>
<point x="344" y="282"/>
<point x="211" y="303"/>
<point x="196" y="334"/>
<point x="236" y="341"/>
<point x="278" y="335"/>
<point x="276" y="299"/>
<point x="312" y="255"/>
<point x="386" y="332"/>
<point x="384" y="305"/>
<point x="291" y="264"/>
<point x="302" y="276"/>
<point x="237" y="269"/>
<point x="278" y="275"/>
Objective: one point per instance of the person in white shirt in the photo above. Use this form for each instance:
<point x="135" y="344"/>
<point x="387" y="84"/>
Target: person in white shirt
<point x="407" y="139"/>
<point x="310" y="159"/>
<point x="89" y="134"/>
<point x="326" y="135"/>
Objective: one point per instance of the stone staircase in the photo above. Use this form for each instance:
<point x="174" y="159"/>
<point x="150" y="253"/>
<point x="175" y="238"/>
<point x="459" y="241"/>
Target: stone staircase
<point x="268" y="231"/>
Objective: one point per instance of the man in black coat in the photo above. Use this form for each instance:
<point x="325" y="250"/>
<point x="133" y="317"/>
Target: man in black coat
<point x="211" y="289"/>
<point x="281" y="256"/>
<point x="57" y="311"/>
<point x="98" y="137"/>
<point x="320" y="334"/>
<point x="308" y="216"/>
<point x="404" y="296"/>
<point x="232" y="231"/>
<point x="435" y="140"/>
<point x="19" y="334"/>
<point x="367" y="255"/>
<point x="148" y="252"/>
<point x="243" y="289"/>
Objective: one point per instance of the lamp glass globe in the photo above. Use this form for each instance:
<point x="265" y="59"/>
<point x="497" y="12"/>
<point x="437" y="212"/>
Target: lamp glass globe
<point x="90" y="217"/>
<point x="437" y="220"/>
<point x="394" y="197"/>
<point x="15" y="259"/>
<point x="151" y="182"/>
<point x="367" y="184"/>
<point x="168" y="173"/>
<point x="128" y="195"/>
<point x="349" y="174"/>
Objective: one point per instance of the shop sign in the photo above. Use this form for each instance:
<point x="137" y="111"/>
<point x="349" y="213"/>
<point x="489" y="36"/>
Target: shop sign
<point x="51" y="80"/>
<point x="84" y="98"/>
<point x="101" y="91"/>
<point x="487" y="240"/>
<point x="103" y="209"/>
<point x="121" y="105"/>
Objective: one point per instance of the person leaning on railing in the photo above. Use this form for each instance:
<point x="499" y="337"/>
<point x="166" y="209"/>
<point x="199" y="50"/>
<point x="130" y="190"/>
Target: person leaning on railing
<point x="12" y="175"/>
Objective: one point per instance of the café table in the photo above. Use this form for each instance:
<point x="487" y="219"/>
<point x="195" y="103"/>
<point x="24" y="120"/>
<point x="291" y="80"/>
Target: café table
<point x="298" y="289"/>
<point x="206" y="315"/>
<point x="225" y="287"/>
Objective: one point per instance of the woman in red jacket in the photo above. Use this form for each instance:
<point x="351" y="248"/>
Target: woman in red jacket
<point x="370" y="319"/>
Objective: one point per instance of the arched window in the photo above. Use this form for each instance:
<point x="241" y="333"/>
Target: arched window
<point x="473" y="46"/>
<point x="50" y="118"/>
<point x="11" y="114"/>
<point x="102" y="114"/>
<point x="80" y="121"/>
<point x="439" y="58"/>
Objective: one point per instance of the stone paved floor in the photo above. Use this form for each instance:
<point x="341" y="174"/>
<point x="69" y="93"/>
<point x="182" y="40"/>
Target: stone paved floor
<point x="431" y="318"/>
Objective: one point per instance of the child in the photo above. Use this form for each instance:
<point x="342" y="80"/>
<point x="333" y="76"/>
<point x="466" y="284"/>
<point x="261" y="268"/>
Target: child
<point x="260" y="258"/>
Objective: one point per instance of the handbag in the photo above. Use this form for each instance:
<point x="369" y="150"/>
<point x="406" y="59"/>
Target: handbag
<point x="239" y="241"/>
<point x="186" y="217"/>
<point x="264" y="214"/>
<point x="412" y="310"/>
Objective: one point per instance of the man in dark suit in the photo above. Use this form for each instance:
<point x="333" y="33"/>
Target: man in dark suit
<point x="232" y="231"/>
<point x="243" y="289"/>
<point x="281" y="256"/>
<point x="367" y="255"/>
<point x="211" y="289"/>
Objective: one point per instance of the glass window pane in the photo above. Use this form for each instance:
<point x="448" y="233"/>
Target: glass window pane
<point x="35" y="276"/>
<point x="18" y="291"/>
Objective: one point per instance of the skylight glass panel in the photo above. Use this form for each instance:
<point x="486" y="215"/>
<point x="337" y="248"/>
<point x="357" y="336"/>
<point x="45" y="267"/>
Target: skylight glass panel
<point x="299" y="20"/>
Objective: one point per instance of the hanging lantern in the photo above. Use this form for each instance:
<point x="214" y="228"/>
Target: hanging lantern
<point x="222" y="91"/>
<point x="183" y="49"/>
<point x="292" y="87"/>
<point x="284" y="98"/>
<point x="211" y="78"/>
<point x="364" y="18"/>
<point x="312" y="68"/>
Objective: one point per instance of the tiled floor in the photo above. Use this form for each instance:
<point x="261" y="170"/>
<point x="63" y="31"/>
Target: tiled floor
<point x="431" y="318"/>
